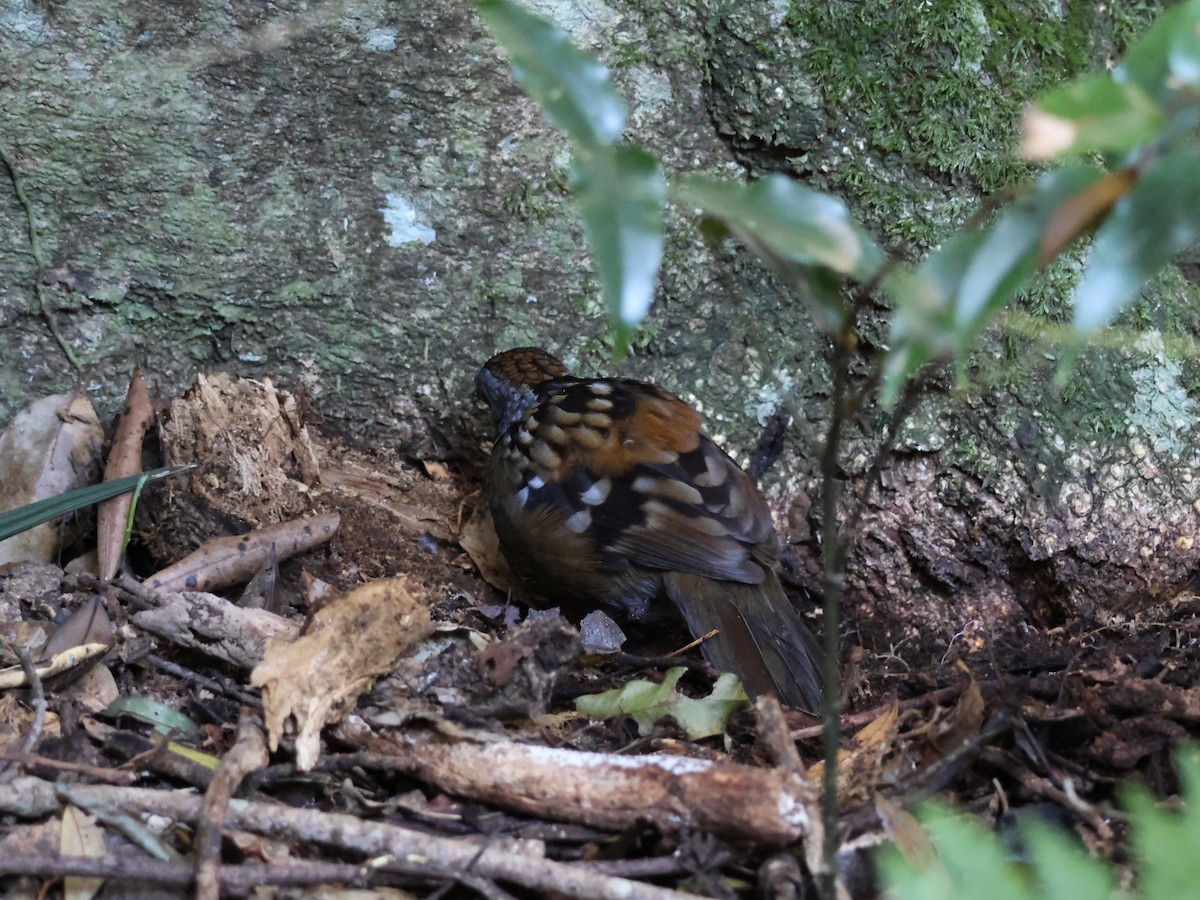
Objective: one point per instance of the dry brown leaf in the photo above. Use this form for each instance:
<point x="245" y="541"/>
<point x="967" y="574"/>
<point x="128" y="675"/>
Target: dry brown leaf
<point x="80" y="836"/>
<point x="906" y="833"/>
<point x="124" y="459"/>
<point x="1079" y="213"/>
<point x="95" y="690"/>
<point x="46" y="450"/>
<point x="315" y="679"/>
<point x="221" y="562"/>
<point x="478" y="538"/>
<point x="865" y="748"/>
<point x="963" y="722"/>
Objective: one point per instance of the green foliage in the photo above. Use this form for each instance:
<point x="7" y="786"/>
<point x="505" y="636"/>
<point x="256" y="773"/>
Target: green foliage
<point x="647" y="702"/>
<point x="621" y="190"/>
<point x="22" y="519"/>
<point x="971" y="861"/>
<point x="1143" y="115"/>
<point x="794" y="231"/>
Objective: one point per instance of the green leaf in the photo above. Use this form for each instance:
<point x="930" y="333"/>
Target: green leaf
<point x="1165" y="841"/>
<point x="17" y="520"/>
<point x="1004" y="261"/>
<point x="1063" y="867"/>
<point x="1106" y="116"/>
<point x="573" y="88"/>
<point x="789" y="221"/>
<point x="1156" y="220"/>
<point x="621" y="191"/>
<point x="1165" y="58"/>
<point x="971" y="862"/>
<point x="922" y="326"/>
<point x="153" y="712"/>
<point x="647" y="702"/>
<point x="949" y="300"/>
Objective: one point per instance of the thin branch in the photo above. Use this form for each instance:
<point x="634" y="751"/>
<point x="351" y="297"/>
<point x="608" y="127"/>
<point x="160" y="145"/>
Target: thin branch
<point x="37" y="696"/>
<point x="520" y="863"/>
<point x="248" y="754"/>
<point x="833" y="557"/>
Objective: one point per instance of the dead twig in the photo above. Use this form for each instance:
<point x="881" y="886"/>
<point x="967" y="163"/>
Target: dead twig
<point x="771" y="806"/>
<point x="190" y="676"/>
<point x="37" y="697"/>
<point x="516" y="862"/>
<point x="235" y="880"/>
<point x="248" y="754"/>
<point x="96" y="773"/>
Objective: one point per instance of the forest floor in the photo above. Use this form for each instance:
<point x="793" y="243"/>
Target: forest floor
<point x="376" y="712"/>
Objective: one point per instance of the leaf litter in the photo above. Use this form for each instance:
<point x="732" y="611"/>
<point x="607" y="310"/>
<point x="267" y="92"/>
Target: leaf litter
<point x="426" y="733"/>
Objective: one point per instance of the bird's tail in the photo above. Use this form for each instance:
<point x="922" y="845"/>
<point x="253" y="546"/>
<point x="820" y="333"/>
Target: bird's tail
<point x="760" y="635"/>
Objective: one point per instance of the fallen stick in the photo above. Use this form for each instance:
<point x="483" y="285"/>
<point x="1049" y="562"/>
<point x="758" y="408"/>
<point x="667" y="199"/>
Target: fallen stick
<point x="517" y="862"/>
<point x="604" y="790"/>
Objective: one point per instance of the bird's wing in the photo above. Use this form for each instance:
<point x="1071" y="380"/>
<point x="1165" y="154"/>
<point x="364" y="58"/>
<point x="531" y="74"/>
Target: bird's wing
<point x="628" y="464"/>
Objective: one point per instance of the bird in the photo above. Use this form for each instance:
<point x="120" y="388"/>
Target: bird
<point x="606" y="493"/>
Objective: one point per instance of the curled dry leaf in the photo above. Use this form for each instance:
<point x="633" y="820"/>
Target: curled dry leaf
<point x="315" y="679"/>
<point x="14" y="676"/>
<point x="124" y="459"/>
<point x="862" y="753"/>
<point x="229" y="560"/>
<point x="47" y="449"/>
<point x="948" y="733"/>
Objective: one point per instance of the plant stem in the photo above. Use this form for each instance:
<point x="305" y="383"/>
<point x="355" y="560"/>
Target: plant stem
<point x="833" y="558"/>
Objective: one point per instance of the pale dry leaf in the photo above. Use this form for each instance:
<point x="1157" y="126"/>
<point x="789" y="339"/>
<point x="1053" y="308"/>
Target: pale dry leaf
<point x="317" y="678"/>
<point x="436" y="470"/>
<point x="47" y="449"/>
<point x="80" y="836"/>
<point x="14" y="676"/>
<point x="94" y="690"/>
<point x="478" y="538"/>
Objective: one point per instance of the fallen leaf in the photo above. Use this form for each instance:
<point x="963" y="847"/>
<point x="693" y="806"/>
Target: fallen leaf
<point x="124" y="459"/>
<point x="313" y="680"/>
<point x="80" y="836"/>
<point x="46" y="450"/>
<point x="647" y="702"/>
<point x="478" y="538"/>
<point x="436" y="470"/>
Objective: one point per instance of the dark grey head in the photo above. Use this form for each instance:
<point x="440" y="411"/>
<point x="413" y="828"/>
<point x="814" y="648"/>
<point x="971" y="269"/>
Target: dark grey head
<point x="507" y="383"/>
